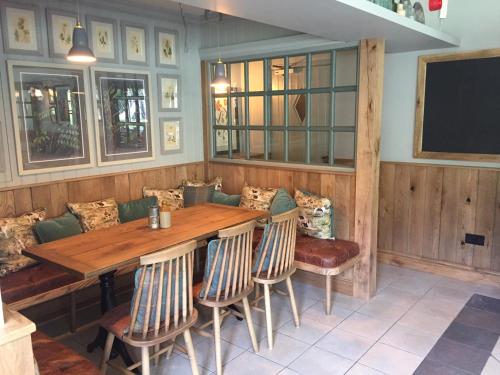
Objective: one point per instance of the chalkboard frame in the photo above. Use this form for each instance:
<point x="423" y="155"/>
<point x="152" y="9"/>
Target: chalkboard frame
<point x="423" y="61"/>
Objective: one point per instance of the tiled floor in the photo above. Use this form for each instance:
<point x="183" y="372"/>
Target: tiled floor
<point x="391" y="334"/>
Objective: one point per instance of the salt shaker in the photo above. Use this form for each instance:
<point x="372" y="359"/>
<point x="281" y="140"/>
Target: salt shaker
<point x="154" y="217"/>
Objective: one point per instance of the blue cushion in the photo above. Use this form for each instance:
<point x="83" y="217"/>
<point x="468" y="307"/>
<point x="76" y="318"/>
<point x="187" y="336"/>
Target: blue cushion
<point x="145" y="288"/>
<point x="136" y="209"/>
<point x="57" y="228"/>
<point x="223" y="198"/>
<point x="282" y="202"/>
<point x="211" y="252"/>
<point x="262" y="246"/>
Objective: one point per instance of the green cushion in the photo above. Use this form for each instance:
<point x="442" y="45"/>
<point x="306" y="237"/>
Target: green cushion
<point x="211" y="252"/>
<point x="60" y="227"/>
<point x="269" y="230"/>
<point x="137" y="209"/>
<point x="223" y="198"/>
<point x="282" y="202"/>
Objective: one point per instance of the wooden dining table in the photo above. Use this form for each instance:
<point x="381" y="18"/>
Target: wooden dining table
<point x="101" y="252"/>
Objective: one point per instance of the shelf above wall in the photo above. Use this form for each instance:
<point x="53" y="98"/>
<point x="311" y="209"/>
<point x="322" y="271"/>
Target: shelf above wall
<point x="342" y="20"/>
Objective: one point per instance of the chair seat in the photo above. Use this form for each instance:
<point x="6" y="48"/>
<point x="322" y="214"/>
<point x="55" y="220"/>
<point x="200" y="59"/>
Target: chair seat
<point x="53" y="358"/>
<point x="117" y="320"/>
<point x="319" y="252"/>
<point x="32" y="281"/>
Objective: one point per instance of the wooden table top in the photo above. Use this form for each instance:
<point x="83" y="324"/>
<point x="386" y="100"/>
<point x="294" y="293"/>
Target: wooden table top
<point x="93" y="253"/>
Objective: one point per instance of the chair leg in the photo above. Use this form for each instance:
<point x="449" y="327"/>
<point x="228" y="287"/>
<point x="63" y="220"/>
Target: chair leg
<point x="145" y="360"/>
<point x="157" y="358"/>
<point x="190" y="350"/>
<point x="72" y="312"/>
<point x="293" y="304"/>
<point x="218" y="351"/>
<point x="328" y="306"/>
<point x="251" y="330"/>
<point x="269" y="320"/>
<point x="257" y="294"/>
<point x="107" y="352"/>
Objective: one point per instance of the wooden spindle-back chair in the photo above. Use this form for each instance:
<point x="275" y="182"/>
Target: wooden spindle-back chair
<point x="229" y="280"/>
<point x="275" y="263"/>
<point x="162" y="307"/>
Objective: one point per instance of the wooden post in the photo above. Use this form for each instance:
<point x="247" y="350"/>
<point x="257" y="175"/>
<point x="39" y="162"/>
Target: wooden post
<point x="207" y="140"/>
<point x="371" y="82"/>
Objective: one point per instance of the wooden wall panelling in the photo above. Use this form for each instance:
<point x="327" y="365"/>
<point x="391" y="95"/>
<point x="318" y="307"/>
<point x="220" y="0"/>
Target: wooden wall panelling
<point x="342" y="206"/>
<point x="136" y="183"/>
<point x="58" y="199"/>
<point x="468" y="180"/>
<point x="495" y="251"/>
<point x="418" y="176"/>
<point x="402" y="198"/>
<point x="386" y="206"/>
<point x="485" y="217"/>
<point x="369" y="115"/>
<point x="449" y="216"/>
<point x="41" y="198"/>
<point x="7" y="207"/>
<point x="22" y="200"/>
<point x="432" y="212"/>
<point x="122" y="188"/>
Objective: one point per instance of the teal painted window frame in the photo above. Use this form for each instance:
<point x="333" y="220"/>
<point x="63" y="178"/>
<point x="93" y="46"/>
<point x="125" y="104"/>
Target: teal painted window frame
<point x="286" y="129"/>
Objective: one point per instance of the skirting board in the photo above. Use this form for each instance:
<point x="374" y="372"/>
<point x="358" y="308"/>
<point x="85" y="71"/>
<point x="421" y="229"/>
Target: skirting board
<point x="439" y="268"/>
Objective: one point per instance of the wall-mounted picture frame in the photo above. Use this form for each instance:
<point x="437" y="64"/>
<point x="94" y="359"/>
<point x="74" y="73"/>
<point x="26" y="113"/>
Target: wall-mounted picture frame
<point x="123" y="111"/>
<point x="135" y="44"/>
<point x="103" y="38"/>
<point x="166" y="44"/>
<point x="21" y="29"/>
<point x="169" y="92"/>
<point x="60" y="26"/>
<point x="171" y="135"/>
<point x="50" y="106"/>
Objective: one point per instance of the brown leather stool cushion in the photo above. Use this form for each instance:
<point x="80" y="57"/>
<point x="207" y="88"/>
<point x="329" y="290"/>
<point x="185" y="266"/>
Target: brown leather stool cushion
<point x="53" y="358"/>
<point x="319" y="252"/>
<point x="32" y="281"/>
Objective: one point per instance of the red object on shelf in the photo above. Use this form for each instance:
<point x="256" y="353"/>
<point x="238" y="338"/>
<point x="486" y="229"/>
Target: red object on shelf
<point x="435" y="5"/>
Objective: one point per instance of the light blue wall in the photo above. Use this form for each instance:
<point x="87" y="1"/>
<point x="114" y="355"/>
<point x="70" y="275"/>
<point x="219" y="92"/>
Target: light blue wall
<point x="477" y="24"/>
<point x="191" y="111"/>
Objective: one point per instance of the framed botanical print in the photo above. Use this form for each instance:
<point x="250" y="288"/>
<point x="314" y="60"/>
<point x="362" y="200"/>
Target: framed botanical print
<point x="61" y="25"/>
<point x="166" y="47"/>
<point x="169" y="92"/>
<point x="122" y="109"/>
<point x="103" y="34"/>
<point x="134" y="39"/>
<point x="21" y="29"/>
<point x="50" y="108"/>
<point x="171" y="135"/>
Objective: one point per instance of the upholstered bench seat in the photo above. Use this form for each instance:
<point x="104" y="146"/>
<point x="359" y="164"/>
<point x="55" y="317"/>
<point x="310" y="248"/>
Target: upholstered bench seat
<point x="33" y="281"/>
<point x="53" y="358"/>
<point x="321" y="256"/>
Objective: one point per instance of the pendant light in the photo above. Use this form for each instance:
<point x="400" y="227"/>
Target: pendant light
<point x="219" y="82"/>
<point x="80" y="52"/>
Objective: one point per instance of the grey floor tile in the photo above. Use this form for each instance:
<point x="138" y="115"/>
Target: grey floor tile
<point x="477" y="338"/>
<point x="479" y="318"/>
<point x="485" y="303"/>
<point x="454" y="354"/>
<point x="430" y="367"/>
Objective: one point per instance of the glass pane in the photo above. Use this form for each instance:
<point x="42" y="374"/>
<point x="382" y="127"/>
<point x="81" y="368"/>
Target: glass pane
<point x="319" y="147"/>
<point x="278" y="110"/>
<point x="221" y="139"/>
<point x="345" y="109"/>
<point x="297" y="147"/>
<point x="256" y="75"/>
<point x="256" y="110"/>
<point x="256" y="144"/>
<point x="297" y="110"/>
<point x="297" y="72"/>
<point x="320" y="109"/>
<point x="238" y="111"/>
<point x="277" y="70"/>
<point x="346" y="67"/>
<point x="239" y="144"/>
<point x="237" y="77"/>
<point x="321" y="75"/>
<point x="344" y="149"/>
<point x="220" y="111"/>
<point x="276" y="146"/>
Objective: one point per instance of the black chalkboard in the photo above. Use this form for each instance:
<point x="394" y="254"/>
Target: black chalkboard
<point x="462" y="106"/>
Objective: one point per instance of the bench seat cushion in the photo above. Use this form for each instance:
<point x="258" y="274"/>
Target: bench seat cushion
<point x="319" y="252"/>
<point x="32" y="281"/>
<point x="53" y="358"/>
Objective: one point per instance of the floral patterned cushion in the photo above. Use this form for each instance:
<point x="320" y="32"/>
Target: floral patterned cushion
<point x="16" y="234"/>
<point x="96" y="215"/>
<point x="216" y="181"/>
<point x="315" y="215"/>
<point x="256" y="198"/>
<point x="174" y="198"/>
